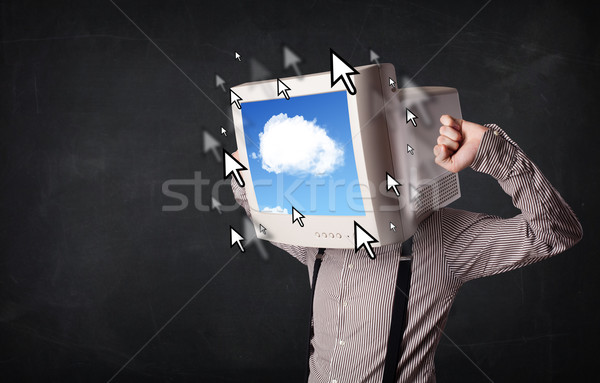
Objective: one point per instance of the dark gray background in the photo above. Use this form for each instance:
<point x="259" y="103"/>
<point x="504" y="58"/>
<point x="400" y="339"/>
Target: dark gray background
<point x="95" y="119"/>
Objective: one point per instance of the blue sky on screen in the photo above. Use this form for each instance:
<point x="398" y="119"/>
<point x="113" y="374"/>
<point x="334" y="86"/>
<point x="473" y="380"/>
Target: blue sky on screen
<point x="302" y="159"/>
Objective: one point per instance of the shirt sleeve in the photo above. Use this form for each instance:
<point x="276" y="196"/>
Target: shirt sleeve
<point x="477" y="245"/>
<point x="239" y="193"/>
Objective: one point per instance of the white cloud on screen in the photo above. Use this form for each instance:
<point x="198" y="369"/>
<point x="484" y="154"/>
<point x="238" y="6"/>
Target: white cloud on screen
<point x="276" y="209"/>
<point x="253" y="156"/>
<point x="296" y="146"/>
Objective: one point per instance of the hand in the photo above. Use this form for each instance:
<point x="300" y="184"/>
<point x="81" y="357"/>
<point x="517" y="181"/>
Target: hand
<point x="458" y="143"/>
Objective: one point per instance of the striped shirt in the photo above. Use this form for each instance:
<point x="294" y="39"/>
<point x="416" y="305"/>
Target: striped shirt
<point x="354" y="295"/>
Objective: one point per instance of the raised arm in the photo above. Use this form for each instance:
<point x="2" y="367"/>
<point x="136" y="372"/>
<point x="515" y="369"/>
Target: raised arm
<point x="239" y="193"/>
<point x="477" y="245"/>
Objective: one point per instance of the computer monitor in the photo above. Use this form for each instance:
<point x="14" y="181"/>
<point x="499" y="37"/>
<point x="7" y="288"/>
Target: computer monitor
<point x="320" y="159"/>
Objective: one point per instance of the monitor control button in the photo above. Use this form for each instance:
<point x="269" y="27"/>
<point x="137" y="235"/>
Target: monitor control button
<point x="324" y="235"/>
<point x="330" y="235"/>
<point x="338" y="235"/>
<point x="317" y="235"/>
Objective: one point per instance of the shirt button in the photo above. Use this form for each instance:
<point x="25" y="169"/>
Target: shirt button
<point x="345" y="304"/>
<point x="350" y="266"/>
<point x="342" y="342"/>
<point x="334" y="381"/>
<point x="496" y="132"/>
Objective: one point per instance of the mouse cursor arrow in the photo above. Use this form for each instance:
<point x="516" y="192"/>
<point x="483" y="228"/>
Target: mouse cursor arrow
<point x="262" y="229"/>
<point x="282" y="88"/>
<point x="235" y="99"/>
<point x="341" y="70"/>
<point x="391" y="183"/>
<point x="297" y="216"/>
<point x="231" y="165"/>
<point x="410" y="116"/>
<point x="238" y="57"/>
<point x="290" y="59"/>
<point x="363" y="239"/>
<point x="258" y="71"/>
<point x="210" y="143"/>
<point x="392" y="83"/>
<point x="392" y="226"/>
<point x="373" y="57"/>
<point x="223" y="131"/>
<point x="235" y="237"/>
<point x="216" y="205"/>
<point x="219" y="82"/>
<point x="413" y="192"/>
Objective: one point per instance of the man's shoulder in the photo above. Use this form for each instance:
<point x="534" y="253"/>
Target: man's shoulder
<point x="447" y="217"/>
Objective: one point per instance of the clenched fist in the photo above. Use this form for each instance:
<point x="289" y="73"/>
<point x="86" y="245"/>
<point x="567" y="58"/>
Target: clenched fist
<point x="458" y="143"/>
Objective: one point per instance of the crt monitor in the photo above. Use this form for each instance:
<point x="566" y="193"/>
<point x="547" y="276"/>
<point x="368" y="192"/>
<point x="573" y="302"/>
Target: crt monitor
<point x="320" y="160"/>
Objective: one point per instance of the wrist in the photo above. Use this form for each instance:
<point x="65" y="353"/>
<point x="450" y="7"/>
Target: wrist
<point x="480" y="133"/>
<point x="496" y="154"/>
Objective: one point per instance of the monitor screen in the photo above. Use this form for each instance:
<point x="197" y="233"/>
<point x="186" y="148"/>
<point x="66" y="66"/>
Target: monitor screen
<point x="300" y="155"/>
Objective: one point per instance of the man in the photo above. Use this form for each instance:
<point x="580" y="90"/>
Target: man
<point x="353" y="299"/>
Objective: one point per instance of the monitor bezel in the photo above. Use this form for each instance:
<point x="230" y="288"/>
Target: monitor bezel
<point x="318" y="230"/>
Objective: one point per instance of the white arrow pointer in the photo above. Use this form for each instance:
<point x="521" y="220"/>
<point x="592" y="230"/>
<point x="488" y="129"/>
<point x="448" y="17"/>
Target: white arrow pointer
<point x="258" y="71"/>
<point x="290" y="59"/>
<point x="219" y="82"/>
<point x="210" y="143"/>
<point x="262" y="229"/>
<point x="341" y="70"/>
<point x="373" y="57"/>
<point x="392" y="226"/>
<point x="235" y="99"/>
<point x="235" y="237"/>
<point x="216" y="205"/>
<point x="250" y="237"/>
<point x="223" y="131"/>
<point x="410" y="116"/>
<point x="410" y="149"/>
<point x="413" y="193"/>
<point x="363" y="239"/>
<point x="392" y="83"/>
<point x="282" y="88"/>
<point x="231" y="165"/>
<point x="238" y="57"/>
<point x="297" y="216"/>
<point x="392" y="184"/>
